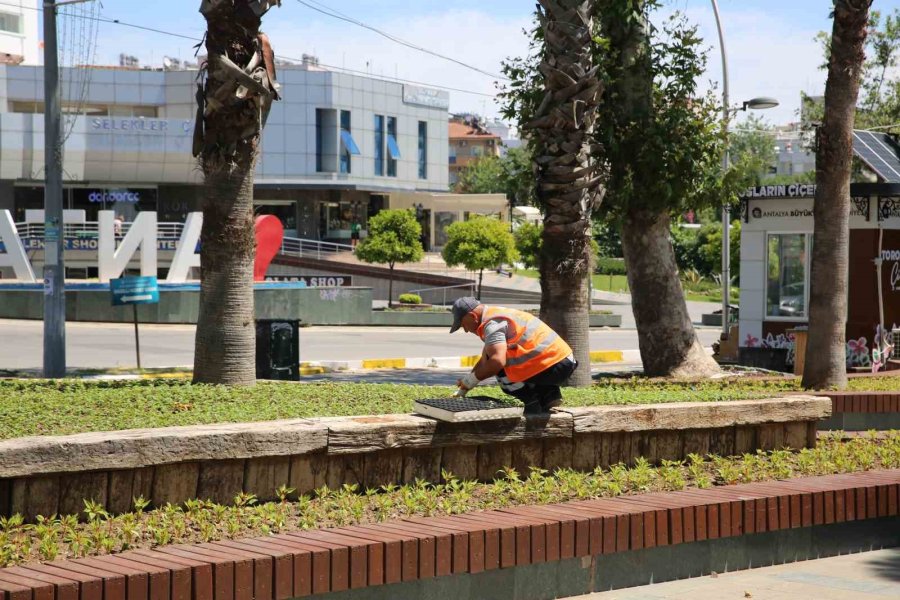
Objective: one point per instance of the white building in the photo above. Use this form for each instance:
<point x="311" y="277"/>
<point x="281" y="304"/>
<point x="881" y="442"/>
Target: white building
<point x="19" y="41"/>
<point x="333" y="151"/>
<point x="793" y="154"/>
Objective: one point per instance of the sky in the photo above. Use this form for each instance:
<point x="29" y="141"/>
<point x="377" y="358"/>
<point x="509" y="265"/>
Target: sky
<point x="770" y="43"/>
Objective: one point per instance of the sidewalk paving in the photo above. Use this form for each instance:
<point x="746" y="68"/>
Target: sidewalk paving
<point x="868" y="575"/>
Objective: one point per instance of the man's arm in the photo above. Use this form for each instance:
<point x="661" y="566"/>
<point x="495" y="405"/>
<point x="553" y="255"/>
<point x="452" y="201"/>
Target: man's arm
<point x="492" y="360"/>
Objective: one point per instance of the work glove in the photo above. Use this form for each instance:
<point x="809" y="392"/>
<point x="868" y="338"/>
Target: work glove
<point x="467" y="383"/>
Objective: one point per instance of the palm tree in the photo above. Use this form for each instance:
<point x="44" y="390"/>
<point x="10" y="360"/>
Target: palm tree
<point x="232" y="107"/>
<point x="826" y="367"/>
<point x="567" y="176"/>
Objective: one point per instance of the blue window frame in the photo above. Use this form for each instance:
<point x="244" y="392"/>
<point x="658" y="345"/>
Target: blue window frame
<point x="393" y="147"/>
<point x="348" y="144"/>
<point x="379" y="144"/>
<point x="423" y="150"/>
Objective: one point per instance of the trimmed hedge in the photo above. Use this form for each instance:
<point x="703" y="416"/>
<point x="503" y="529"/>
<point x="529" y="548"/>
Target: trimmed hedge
<point x="610" y="266"/>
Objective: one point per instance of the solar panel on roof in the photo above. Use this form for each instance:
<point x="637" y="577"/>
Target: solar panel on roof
<point x="880" y="152"/>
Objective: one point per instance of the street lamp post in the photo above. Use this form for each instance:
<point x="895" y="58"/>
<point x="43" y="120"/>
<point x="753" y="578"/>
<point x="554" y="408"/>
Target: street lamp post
<point x="755" y="103"/>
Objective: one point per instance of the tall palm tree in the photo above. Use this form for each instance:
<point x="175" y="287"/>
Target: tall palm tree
<point x="567" y="176"/>
<point x="233" y="103"/>
<point x="826" y="365"/>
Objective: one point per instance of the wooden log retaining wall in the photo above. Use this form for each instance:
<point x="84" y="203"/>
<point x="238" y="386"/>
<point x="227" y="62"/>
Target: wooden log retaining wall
<point x="54" y="475"/>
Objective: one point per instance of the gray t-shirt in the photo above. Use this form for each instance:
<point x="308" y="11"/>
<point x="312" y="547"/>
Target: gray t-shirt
<point x="496" y="332"/>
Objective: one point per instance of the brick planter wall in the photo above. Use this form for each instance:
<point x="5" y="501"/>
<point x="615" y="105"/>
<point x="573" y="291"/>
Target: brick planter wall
<point x="862" y="411"/>
<point x="54" y="475"/>
<point x="584" y="546"/>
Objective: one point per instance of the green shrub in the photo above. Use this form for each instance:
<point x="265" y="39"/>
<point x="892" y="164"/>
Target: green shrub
<point x="610" y="266"/>
<point x="410" y="299"/>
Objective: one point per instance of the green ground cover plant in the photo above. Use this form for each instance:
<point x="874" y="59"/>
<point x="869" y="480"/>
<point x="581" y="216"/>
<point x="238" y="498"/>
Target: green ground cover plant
<point x="45" y="407"/>
<point x="97" y="532"/>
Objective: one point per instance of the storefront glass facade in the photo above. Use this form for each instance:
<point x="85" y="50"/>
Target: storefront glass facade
<point x="787" y="275"/>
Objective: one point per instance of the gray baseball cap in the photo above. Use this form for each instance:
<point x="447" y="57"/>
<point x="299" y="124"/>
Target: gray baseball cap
<point x="462" y="307"/>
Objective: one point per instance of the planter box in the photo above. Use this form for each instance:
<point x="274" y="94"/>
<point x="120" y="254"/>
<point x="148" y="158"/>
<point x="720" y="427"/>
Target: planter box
<point x="711" y="320"/>
<point x="605" y="320"/>
<point x="773" y="359"/>
<point x="411" y="318"/>
<point x="46" y="475"/>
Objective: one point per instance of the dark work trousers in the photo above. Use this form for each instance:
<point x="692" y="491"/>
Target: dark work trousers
<point x="538" y="392"/>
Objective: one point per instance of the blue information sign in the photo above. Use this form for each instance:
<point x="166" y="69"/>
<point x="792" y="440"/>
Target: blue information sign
<point x="134" y="290"/>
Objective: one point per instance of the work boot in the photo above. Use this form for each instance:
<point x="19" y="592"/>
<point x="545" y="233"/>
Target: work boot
<point x="534" y="407"/>
<point x="547" y="404"/>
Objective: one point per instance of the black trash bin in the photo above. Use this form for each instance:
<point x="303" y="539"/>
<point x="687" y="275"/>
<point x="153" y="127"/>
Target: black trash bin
<point x="278" y="349"/>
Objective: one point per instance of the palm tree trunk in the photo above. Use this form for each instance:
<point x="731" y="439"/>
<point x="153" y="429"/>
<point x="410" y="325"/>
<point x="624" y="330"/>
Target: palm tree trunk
<point x="567" y="176"/>
<point x="826" y="366"/>
<point x="233" y="105"/>
<point x="669" y="346"/>
<point x="226" y="334"/>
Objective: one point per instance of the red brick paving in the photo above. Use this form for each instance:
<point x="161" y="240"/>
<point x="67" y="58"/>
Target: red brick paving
<point x="298" y="564"/>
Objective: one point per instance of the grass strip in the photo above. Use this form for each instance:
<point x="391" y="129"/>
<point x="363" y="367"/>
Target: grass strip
<point x="52" y="537"/>
<point x="61" y="407"/>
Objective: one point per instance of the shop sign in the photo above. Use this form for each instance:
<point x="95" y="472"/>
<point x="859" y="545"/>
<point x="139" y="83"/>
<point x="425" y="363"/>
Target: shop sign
<point x="781" y="213"/>
<point x="314" y="280"/>
<point x="793" y="190"/>
<point x="98" y="196"/>
<point x="894" y="257"/>
<point x="113" y="252"/>
<point x="421" y="96"/>
<point x="140" y="125"/>
<point x="88" y="244"/>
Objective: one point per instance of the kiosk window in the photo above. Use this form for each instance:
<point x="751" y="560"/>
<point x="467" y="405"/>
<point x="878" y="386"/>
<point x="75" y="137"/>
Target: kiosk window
<point x="787" y="276"/>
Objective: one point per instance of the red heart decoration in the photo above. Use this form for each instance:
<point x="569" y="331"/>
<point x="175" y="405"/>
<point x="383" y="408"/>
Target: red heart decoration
<point x="269" y="235"/>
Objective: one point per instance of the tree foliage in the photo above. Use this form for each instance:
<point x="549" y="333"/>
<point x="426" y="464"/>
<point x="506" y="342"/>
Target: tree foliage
<point x="528" y="244"/>
<point x="482" y="176"/>
<point x="670" y="158"/>
<point x="478" y="244"/>
<point x="393" y="238"/>
<point x="510" y="174"/>
<point x="751" y="148"/>
<point x="879" y="98"/>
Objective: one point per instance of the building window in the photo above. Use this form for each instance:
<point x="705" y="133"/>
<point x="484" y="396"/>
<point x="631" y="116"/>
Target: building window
<point x="348" y="144"/>
<point x="379" y="144"/>
<point x="320" y="140"/>
<point x="327" y="159"/>
<point x="90" y="110"/>
<point x="10" y="23"/>
<point x="423" y="150"/>
<point x="393" y="147"/>
<point x="787" y="286"/>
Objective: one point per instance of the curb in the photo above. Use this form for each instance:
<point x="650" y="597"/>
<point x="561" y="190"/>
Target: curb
<point x="308" y="368"/>
<point x="439" y="362"/>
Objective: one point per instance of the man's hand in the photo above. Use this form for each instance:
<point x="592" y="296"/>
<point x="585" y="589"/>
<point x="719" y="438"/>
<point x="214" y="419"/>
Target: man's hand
<point x="467" y="383"/>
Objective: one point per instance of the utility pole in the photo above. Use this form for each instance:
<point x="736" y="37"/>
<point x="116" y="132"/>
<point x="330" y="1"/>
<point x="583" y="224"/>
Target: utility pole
<point x="54" y="238"/>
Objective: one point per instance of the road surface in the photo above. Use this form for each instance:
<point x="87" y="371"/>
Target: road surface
<point x="105" y="345"/>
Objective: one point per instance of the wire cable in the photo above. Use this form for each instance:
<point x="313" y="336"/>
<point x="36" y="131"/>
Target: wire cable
<point x="340" y="16"/>
<point x="296" y="60"/>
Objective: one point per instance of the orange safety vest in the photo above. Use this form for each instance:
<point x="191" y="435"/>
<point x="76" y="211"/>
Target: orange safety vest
<point x="533" y="347"/>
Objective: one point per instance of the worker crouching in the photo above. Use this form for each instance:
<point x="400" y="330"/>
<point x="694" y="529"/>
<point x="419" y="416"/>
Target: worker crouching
<point x="529" y="359"/>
